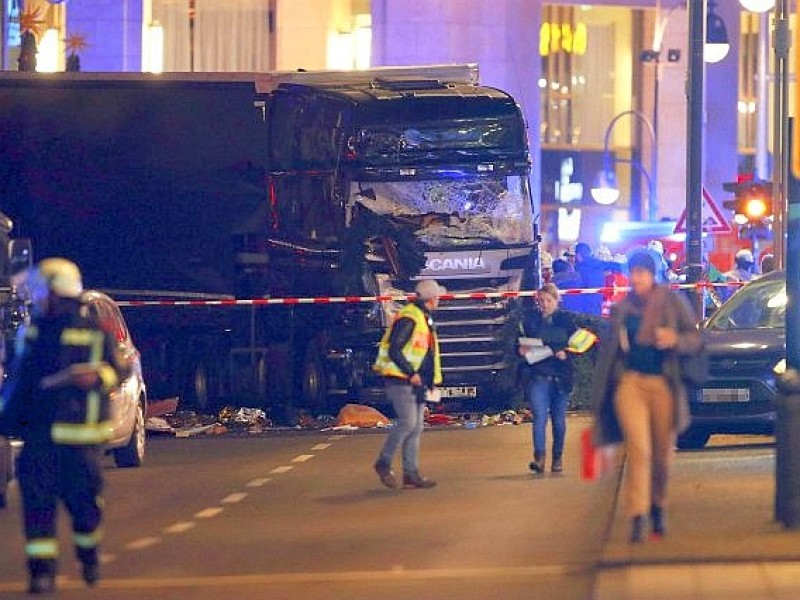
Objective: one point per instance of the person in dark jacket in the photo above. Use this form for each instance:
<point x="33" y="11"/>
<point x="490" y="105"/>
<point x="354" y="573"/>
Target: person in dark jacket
<point x="592" y="271"/>
<point x="638" y="395"/>
<point x="408" y="360"/>
<point x="57" y="401"/>
<point x="547" y="330"/>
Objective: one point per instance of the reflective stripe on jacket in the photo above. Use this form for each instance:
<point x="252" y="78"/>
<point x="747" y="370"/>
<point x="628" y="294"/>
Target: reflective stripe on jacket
<point x="422" y="340"/>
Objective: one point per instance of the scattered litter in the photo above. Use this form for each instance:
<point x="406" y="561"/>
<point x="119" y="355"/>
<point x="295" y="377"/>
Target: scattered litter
<point x="158" y="425"/>
<point x="185" y="433"/>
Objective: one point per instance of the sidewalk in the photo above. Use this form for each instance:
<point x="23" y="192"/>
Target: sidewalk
<point x="722" y="541"/>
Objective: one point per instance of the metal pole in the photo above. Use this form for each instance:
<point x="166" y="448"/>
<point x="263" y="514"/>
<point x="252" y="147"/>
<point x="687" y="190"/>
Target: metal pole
<point x="694" y="154"/>
<point x="780" y="137"/>
<point x="652" y="180"/>
<point x="762" y="99"/>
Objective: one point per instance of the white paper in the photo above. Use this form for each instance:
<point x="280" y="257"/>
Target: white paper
<point x="434" y="395"/>
<point x="538" y="354"/>
<point x="526" y="341"/>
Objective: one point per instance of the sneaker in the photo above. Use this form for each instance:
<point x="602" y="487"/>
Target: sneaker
<point x="42" y="584"/>
<point x="386" y="475"/>
<point x="417" y="481"/>
<point x="90" y="573"/>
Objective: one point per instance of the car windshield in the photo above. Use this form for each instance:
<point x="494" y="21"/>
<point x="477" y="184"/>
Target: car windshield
<point x="759" y="305"/>
<point x="463" y="211"/>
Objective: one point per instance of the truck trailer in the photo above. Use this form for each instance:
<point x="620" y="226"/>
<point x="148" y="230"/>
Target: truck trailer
<point x="280" y="185"/>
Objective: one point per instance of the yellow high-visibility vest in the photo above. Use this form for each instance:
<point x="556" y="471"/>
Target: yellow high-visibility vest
<point x="415" y="350"/>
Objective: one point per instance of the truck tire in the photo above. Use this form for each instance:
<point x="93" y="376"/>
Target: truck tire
<point x="314" y="382"/>
<point x="693" y="439"/>
<point x="132" y="454"/>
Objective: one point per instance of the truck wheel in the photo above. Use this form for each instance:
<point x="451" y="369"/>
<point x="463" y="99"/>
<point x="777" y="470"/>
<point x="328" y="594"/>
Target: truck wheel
<point x="693" y="439"/>
<point x="314" y="384"/>
<point x="132" y="454"/>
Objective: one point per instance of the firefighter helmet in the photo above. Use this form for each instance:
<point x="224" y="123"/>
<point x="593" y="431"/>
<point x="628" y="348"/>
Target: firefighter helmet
<point x="61" y="277"/>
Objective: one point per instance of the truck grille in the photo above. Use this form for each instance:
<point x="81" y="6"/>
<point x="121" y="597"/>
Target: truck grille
<point x="474" y="338"/>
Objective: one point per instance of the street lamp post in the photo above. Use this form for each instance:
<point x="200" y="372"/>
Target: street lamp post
<point x="608" y="163"/>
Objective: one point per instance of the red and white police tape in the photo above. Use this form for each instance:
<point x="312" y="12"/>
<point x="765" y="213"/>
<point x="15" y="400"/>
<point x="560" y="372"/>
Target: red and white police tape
<point x="400" y="298"/>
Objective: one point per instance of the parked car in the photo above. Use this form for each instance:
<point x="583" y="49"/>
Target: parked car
<point x="746" y="344"/>
<point x="129" y="398"/>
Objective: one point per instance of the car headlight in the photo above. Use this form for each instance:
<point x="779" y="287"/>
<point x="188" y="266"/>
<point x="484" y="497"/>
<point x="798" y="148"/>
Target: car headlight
<point x="780" y="368"/>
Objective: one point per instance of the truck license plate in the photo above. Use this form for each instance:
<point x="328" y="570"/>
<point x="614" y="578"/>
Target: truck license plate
<point x="732" y="395"/>
<point x="459" y="392"/>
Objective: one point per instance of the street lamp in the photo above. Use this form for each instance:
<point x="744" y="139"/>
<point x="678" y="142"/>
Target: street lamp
<point x="717" y="45"/>
<point x="758" y="6"/>
<point x="605" y="190"/>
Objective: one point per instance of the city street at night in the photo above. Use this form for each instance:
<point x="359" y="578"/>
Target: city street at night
<point x="302" y="515"/>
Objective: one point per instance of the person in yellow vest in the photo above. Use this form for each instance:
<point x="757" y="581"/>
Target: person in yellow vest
<point x="57" y="401"/>
<point x="408" y="360"/>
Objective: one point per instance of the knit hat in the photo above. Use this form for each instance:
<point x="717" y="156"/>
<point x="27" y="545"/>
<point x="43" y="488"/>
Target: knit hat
<point x="428" y="289"/>
<point x="642" y="260"/>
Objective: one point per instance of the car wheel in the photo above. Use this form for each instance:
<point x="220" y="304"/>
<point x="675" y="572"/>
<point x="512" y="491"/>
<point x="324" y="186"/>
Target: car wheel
<point x="132" y="454"/>
<point x="314" y="382"/>
<point x="693" y="439"/>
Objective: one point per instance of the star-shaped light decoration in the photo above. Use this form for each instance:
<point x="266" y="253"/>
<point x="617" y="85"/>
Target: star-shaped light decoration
<point x="32" y="20"/>
<point x="75" y="43"/>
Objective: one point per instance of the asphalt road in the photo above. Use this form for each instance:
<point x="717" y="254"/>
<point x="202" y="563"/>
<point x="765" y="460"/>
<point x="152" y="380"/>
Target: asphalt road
<point x="303" y="516"/>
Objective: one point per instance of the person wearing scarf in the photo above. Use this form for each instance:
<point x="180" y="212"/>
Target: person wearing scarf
<point x="638" y="396"/>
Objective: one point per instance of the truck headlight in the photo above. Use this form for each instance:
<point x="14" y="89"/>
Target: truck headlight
<point x="780" y="368"/>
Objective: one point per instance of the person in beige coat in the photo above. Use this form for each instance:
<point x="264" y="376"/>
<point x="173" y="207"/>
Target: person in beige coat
<point x="639" y="397"/>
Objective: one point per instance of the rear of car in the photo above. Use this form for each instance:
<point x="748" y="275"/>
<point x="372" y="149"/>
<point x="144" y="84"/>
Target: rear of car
<point x="746" y="344"/>
<point x="129" y="399"/>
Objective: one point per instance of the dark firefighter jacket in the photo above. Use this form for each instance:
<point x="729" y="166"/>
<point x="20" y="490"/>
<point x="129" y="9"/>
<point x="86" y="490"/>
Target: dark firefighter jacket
<point x="39" y="402"/>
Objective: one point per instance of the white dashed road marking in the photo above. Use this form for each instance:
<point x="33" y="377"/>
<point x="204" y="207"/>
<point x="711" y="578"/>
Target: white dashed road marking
<point x="234" y="498"/>
<point x="180" y="527"/>
<point x="279" y="470"/>
<point x="258" y="482"/>
<point x="208" y="513"/>
<point x="143" y="543"/>
<point x="302" y="458"/>
<point x="321" y="447"/>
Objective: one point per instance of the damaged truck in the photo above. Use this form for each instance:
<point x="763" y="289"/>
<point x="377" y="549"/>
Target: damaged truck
<point x="289" y="185"/>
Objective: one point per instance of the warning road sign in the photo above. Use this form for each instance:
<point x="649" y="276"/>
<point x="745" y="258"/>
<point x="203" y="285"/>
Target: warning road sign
<point x="713" y="220"/>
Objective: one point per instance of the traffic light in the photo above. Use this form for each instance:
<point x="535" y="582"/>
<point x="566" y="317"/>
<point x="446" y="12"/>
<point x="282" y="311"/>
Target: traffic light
<point x="752" y="204"/>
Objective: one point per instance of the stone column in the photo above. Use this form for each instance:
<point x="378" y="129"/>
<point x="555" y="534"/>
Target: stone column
<point x="722" y="95"/>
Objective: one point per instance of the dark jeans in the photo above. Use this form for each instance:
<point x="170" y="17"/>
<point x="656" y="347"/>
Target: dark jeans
<point x="548" y="398"/>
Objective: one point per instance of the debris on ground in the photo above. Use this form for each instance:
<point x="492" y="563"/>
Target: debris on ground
<point x="359" y="415"/>
<point x="164" y="418"/>
<point x="159" y="408"/>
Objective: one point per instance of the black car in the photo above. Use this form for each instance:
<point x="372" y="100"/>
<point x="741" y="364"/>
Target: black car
<point x="746" y="344"/>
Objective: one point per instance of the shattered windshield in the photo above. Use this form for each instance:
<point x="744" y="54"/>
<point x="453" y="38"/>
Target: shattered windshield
<point x="466" y="211"/>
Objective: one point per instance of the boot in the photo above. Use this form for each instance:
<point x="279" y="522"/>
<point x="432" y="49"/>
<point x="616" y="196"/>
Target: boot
<point x="537" y="466"/>
<point x="90" y="570"/>
<point x="657" y="522"/>
<point x="637" y="529"/>
<point x="386" y="475"/>
<point x="557" y="466"/>
<point x="42" y="576"/>
<point x="415" y="480"/>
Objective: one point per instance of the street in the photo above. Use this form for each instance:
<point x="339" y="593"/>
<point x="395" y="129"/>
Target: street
<point x="302" y="516"/>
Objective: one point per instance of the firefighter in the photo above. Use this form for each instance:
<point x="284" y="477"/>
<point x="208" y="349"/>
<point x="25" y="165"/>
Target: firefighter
<point x="409" y="362"/>
<point x="57" y="402"/>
